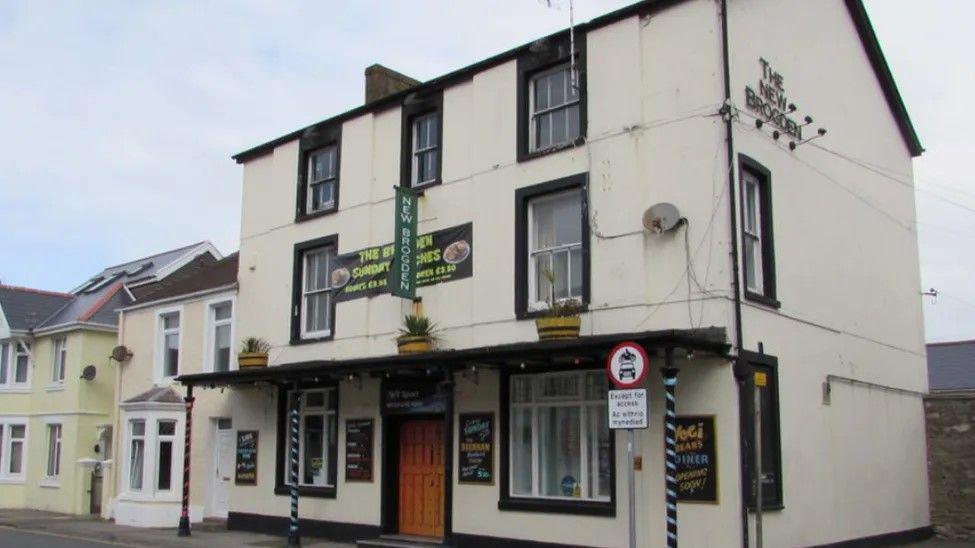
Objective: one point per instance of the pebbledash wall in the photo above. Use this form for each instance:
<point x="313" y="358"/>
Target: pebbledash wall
<point x="846" y="269"/>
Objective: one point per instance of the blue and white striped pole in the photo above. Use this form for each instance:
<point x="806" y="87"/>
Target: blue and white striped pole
<point x="670" y="437"/>
<point x="294" y="538"/>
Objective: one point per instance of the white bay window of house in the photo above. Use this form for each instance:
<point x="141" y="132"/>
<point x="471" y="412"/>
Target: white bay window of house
<point x="166" y="437"/>
<point x="426" y="142"/>
<point x="53" y="450"/>
<point x="222" y="319"/>
<point x="21" y="362"/>
<point x="317" y="435"/>
<point x="4" y="362"/>
<point x="316" y="308"/>
<point x="554" y="108"/>
<point x="137" y="453"/>
<point x="322" y="178"/>
<point x="753" y="234"/>
<point x="555" y="249"/>
<point x="60" y="359"/>
<point x="170" y="344"/>
<point x="560" y="445"/>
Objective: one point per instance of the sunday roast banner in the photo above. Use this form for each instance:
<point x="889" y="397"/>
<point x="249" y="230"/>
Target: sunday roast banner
<point x="442" y="256"/>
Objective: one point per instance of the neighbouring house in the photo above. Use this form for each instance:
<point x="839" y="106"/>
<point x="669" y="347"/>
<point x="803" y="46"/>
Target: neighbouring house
<point x="543" y="175"/>
<point x="951" y="437"/>
<point x="180" y="325"/>
<point x="57" y="384"/>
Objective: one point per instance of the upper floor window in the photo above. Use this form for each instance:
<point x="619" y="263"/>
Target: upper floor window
<point x="169" y="343"/>
<point x="323" y="179"/>
<point x="554" y="108"/>
<point x="4" y="363"/>
<point x="14" y="364"/>
<point x="422" y="139"/>
<point x="13" y="448"/>
<point x="756" y="233"/>
<point x="60" y="359"/>
<point x="220" y="336"/>
<point x="313" y="305"/>
<point x="426" y="144"/>
<point x="21" y="362"/>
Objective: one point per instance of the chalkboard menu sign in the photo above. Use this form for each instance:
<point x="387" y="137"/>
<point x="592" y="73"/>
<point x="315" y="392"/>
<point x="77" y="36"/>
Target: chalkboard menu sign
<point x="246" y="469"/>
<point x="358" y="449"/>
<point x="697" y="459"/>
<point x="476" y="453"/>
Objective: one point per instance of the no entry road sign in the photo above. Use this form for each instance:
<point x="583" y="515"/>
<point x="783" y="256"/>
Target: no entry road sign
<point x="627" y="365"/>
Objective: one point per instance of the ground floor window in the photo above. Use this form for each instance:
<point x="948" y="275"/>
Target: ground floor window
<point x="559" y="440"/>
<point x="154" y="456"/>
<point x="766" y="381"/>
<point x="53" y="450"/>
<point x="13" y="448"/>
<point x="318" y="439"/>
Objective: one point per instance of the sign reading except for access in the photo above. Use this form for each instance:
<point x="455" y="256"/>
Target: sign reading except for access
<point x="627" y="409"/>
<point x="627" y="365"/>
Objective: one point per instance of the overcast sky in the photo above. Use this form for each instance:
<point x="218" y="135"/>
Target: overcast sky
<point x="118" y="122"/>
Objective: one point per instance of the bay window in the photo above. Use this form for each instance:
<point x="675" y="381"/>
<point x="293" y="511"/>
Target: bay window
<point x="137" y="453"/>
<point x="166" y="437"/>
<point x="154" y="454"/>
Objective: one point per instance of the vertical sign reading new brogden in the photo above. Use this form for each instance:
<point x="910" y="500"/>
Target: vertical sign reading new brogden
<point x="403" y="273"/>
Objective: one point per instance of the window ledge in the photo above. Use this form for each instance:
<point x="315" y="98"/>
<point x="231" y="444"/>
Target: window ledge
<point x="307" y="491"/>
<point x="531" y="314"/>
<point x="50" y="483"/>
<point x="54" y="387"/>
<point x="314" y="339"/>
<point x="309" y="216"/>
<point x="531" y="155"/>
<point x="15" y="390"/>
<point x="12" y="481"/>
<point x="555" y="506"/>
<point x="770" y="302"/>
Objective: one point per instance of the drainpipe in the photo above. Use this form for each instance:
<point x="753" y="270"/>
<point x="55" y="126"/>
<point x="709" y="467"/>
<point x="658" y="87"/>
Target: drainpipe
<point x="740" y="369"/>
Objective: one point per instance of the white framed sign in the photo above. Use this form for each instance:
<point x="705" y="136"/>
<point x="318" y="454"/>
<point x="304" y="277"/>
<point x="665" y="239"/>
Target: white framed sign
<point x="627" y="409"/>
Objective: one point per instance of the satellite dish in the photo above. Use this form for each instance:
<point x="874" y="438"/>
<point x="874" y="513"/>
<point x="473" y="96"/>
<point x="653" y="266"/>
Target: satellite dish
<point x="88" y="373"/>
<point x="121" y="354"/>
<point x="661" y="217"/>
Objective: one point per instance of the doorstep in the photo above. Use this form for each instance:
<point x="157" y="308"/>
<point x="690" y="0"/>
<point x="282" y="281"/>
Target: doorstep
<point x="401" y="541"/>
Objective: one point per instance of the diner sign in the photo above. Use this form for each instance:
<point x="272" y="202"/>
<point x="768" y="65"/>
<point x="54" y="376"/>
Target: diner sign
<point x="358" y="449"/>
<point x="697" y="459"/>
<point x="476" y="451"/>
<point x="246" y="468"/>
<point x="441" y="256"/>
<point x="403" y="274"/>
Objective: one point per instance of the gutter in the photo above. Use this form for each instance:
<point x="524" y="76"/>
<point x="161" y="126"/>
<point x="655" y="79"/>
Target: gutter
<point x="186" y="296"/>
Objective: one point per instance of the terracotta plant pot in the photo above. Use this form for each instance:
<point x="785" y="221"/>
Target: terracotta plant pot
<point x="408" y="344"/>
<point x="252" y="359"/>
<point x="558" y="327"/>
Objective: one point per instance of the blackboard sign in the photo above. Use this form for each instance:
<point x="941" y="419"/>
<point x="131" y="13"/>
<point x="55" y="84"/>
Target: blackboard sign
<point x="246" y="469"/>
<point x="476" y="455"/>
<point x="697" y="459"/>
<point x="442" y="256"/>
<point x="358" y="449"/>
<point x="406" y="397"/>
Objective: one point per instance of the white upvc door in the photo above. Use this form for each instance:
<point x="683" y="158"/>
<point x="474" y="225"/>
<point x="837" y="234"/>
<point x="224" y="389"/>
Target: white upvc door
<point x="224" y="472"/>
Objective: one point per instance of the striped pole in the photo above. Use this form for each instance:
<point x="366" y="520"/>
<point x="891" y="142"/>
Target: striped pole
<point x="670" y="437"/>
<point x="184" y="517"/>
<point x="294" y="539"/>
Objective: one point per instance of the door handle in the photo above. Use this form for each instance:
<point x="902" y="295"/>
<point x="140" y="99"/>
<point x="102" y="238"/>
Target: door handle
<point x="226" y="479"/>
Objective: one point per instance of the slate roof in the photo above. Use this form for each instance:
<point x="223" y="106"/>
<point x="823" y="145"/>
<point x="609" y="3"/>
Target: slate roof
<point x="26" y="308"/>
<point x="201" y="274"/>
<point x="158" y="394"/>
<point x="951" y="365"/>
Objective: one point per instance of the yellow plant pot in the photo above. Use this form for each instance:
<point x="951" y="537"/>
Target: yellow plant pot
<point x="559" y="327"/>
<point x="414" y="345"/>
<point x="252" y="359"/>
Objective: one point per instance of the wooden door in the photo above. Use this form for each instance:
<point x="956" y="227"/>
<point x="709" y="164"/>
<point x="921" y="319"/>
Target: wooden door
<point x="421" y="478"/>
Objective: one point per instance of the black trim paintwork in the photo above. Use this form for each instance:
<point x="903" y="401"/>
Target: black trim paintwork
<point x="296" y="276"/>
<point x="280" y="487"/>
<point x="505" y="500"/>
<point x="749" y="165"/>
<point x="523" y="196"/>
<point x="462" y="540"/>
<point x="896" y="538"/>
<point x="747" y="404"/>
<point x="278" y="525"/>
<point x="414" y="106"/>
<point x="546" y="54"/>
<point x="312" y="139"/>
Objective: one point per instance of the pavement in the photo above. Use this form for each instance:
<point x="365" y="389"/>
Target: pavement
<point x="37" y="529"/>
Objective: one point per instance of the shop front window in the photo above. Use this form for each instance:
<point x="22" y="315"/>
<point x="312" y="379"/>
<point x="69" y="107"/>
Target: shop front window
<point x="317" y="435"/>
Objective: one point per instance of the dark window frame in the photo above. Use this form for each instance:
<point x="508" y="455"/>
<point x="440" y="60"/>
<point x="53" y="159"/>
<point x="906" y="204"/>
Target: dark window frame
<point x="553" y="506"/>
<point x="769" y="365"/>
<point x="313" y="140"/>
<point x="523" y="197"/>
<point x="764" y="176"/>
<point x="551" y="53"/>
<point x="416" y="106"/>
<point x="297" y="301"/>
<point x="281" y="445"/>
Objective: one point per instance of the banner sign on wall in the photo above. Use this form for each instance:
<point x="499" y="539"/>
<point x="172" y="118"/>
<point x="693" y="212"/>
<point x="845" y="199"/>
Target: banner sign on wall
<point x="402" y="276"/>
<point x="442" y="256"/>
<point x="697" y="459"/>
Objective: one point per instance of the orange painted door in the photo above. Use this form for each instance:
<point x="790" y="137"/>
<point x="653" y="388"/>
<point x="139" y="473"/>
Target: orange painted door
<point x="421" y="478"/>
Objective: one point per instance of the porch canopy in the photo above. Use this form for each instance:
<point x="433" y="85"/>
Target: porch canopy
<point x="586" y="350"/>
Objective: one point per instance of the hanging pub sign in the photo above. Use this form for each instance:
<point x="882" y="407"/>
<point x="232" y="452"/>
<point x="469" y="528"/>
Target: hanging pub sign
<point x="402" y="276"/>
<point x="358" y="449"/>
<point x="246" y="467"/>
<point x="476" y="451"/>
<point x="406" y="397"/>
<point x="441" y="256"/>
<point x="697" y="459"/>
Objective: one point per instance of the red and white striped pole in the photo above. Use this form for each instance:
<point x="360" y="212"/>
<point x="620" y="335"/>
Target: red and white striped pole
<point x="184" y="517"/>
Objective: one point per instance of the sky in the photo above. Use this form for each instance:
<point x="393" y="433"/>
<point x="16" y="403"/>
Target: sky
<point x="119" y="122"/>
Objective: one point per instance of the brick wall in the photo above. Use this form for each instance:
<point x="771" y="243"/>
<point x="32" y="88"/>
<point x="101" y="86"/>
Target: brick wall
<point x="951" y="463"/>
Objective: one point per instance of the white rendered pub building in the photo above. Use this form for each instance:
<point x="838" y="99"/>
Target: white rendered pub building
<point x="535" y="171"/>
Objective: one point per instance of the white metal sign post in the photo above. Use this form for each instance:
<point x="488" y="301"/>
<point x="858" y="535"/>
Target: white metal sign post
<point x="627" y="367"/>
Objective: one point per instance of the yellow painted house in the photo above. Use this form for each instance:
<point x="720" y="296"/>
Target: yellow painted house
<point x="58" y="383"/>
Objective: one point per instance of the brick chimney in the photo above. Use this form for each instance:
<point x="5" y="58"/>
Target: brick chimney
<point x="382" y="81"/>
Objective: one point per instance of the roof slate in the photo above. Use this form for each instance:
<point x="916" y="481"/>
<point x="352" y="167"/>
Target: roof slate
<point x="951" y="365"/>
<point x="27" y="308"/>
<point x="158" y="394"/>
<point x="201" y="274"/>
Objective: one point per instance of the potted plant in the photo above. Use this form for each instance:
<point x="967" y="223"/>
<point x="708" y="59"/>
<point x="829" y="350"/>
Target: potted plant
<point x="253" y="352"/>
<point x="561" y="319"/>
<point x="416" y="335"/>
